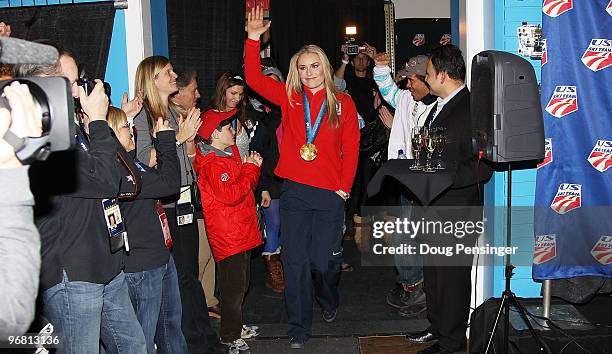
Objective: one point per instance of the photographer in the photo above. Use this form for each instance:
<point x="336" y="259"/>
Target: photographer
<point x="20" y="252"/>
<point x="85" y="295"/>
<point x="364" y="91"/>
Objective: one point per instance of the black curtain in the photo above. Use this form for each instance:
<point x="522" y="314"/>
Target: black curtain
<point x="323" y="22"/>
<point x="207" y="36"/>
<point x="406" y="29"/>
<point x="85" y="29"/>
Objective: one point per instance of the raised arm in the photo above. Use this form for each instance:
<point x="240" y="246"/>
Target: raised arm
<point x="267" y="87"/>
<point x="382" y="76"/>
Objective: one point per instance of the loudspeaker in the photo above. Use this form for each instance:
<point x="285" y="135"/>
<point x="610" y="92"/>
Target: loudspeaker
<point x="506" y="113"/>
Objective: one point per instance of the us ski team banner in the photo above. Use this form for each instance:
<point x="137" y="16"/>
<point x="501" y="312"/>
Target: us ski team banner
<point x="573" y="214"/>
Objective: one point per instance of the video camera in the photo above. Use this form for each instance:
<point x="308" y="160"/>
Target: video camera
<point x="51" y="95"/>
<point x="350" y="48"/>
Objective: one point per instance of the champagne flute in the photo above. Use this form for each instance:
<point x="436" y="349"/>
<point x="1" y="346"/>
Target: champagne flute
<point x="416" y="148"/>
<point x="429" y="143"/>
<point x="441" y="144"/>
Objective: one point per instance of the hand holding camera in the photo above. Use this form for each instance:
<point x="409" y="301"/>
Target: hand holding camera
<point x="23" y="120"/>
<point x="95" y="105"/>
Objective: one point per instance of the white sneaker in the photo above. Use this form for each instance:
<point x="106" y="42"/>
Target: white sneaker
<point x="237" y="346"/>
<point x="249" y="332"/>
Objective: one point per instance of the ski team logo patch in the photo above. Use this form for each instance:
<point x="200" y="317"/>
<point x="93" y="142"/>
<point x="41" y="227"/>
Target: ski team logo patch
<point x="445" y="39"/>
<point x="548" y="153"/>
<point x="601" y="155"/>
<point x="224" y="177"/>
<point x="598" y="55"/>
<point x="545" y="248"/>
<point x="544" y="52"/>
<point x="568" y="198"/>
<point x="563" y="101"/>
<point x="602" y="251"/>
<point x="609" y="8"/>
<point x="554" y="8"/>
<point x="419" y="39"/>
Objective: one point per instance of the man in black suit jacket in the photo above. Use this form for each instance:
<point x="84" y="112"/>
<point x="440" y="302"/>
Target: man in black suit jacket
<point x="447" y="280"/>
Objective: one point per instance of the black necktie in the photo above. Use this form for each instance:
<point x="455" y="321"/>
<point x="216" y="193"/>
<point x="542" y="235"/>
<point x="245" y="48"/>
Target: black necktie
<point x="430" y="117"/>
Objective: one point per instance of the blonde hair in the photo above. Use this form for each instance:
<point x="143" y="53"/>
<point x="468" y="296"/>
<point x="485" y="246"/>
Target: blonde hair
<point x="145" y="82"/>
<point x="294" y="84"/>
<point x="115" y="118"/>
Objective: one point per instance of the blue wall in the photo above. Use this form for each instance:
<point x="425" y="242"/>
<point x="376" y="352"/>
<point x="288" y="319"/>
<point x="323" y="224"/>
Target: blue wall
<point x="116" y="69"/>
<point x="509" y="14"/>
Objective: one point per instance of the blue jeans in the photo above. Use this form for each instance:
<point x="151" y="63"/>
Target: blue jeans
<point x="272" y="218"/>
<point x="157" y="303"/>
<point x="409" y="266"/>
<point x="86" y="313"/>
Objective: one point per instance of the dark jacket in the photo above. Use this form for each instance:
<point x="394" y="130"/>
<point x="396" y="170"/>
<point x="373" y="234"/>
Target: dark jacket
<point x="265" y="142"/>
<point x="69" y="188"/>
<point x="456" y="118"/>
<point x="146" y="239"/>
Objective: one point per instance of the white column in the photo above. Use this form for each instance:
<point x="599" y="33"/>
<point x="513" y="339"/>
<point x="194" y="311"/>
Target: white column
<point x="138" y="36"/>
<point x="476" y="29"/>
<point x="477" y="33"/>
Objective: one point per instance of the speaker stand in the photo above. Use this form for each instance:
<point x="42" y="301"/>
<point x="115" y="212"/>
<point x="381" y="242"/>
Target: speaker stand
<point x="508" y="297"/>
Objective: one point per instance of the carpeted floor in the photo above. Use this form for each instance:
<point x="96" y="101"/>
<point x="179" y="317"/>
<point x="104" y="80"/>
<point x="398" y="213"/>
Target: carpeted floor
<point x="363" y="310"/>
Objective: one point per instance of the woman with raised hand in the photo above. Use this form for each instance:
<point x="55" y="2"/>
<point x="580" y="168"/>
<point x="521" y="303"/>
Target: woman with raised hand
<point x="318" y="159"/>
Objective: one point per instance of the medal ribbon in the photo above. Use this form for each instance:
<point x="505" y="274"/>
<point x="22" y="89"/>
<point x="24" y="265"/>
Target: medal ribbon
<point x="311" y="132"/>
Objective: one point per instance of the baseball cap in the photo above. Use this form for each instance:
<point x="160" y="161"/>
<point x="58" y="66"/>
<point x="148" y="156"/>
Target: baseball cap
<point x="211" y="120"/>
<point x="416" y="65"/>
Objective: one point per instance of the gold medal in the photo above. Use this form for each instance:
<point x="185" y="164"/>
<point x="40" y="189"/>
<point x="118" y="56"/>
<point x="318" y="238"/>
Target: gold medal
<point x="308" y="152"/>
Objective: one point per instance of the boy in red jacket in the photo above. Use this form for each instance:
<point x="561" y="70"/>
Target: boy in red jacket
<point x="226" y="187"/>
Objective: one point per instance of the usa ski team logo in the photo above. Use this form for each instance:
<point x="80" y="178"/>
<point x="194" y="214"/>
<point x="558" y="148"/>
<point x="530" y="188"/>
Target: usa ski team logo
<point x="545" y="52"/>
<point x="609" y="8"/>
<point x="419" y="39"/>
<point x="563" y="101"/>
<point x="599" y="54"/>
<point x="224" y="177"/>
<point x="602" y="251"/>
<point x="568" y="198"/>
<point x="554" y="8"/>
<point x="445" y="39"/>
<point x="545" y="248"/>
<point x="548" y="153"/>
<point x="601" y="155"/>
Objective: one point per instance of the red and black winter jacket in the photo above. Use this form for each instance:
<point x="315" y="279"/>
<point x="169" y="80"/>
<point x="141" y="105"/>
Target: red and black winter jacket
<point x="226" y="188"/>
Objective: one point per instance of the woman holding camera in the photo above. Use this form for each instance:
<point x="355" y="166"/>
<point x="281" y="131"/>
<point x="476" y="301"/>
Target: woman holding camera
<point x="318" y="159"/>
<point x="156" y="80"/>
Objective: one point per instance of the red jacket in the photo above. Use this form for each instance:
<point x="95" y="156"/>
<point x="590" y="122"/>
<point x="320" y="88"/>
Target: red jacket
<point x="338" y="148"/>
<point x="226" y="188"/>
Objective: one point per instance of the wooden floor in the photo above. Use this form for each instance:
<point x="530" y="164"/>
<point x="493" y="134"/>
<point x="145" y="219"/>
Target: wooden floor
<point x="388" y="345"/>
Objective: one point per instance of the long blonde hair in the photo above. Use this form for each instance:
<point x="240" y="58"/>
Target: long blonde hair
<point x="145" y="82"/>
<point x="294" y="84"/>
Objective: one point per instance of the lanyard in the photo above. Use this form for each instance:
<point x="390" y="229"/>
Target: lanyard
<point x="311" y="132"/>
